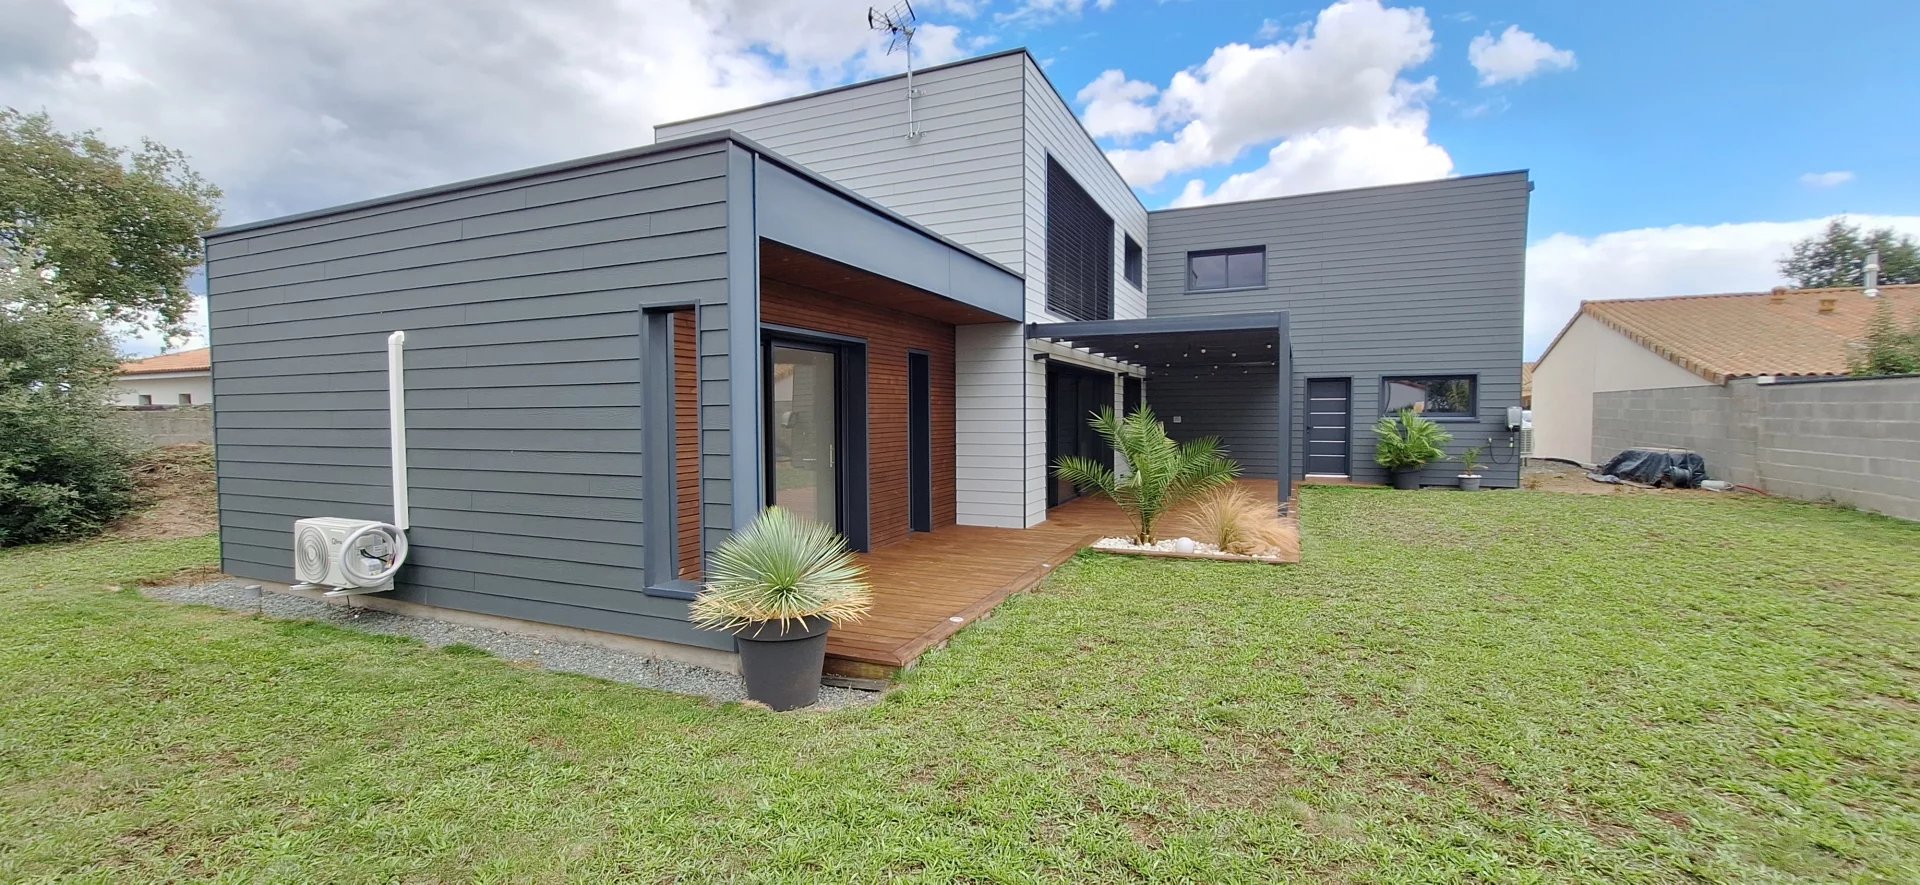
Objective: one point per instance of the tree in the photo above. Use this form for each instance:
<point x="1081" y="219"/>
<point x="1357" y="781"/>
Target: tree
<point x="118" y="230"/>
<point x="63" y="459"/>
<point x="1165" y="473"/>
<point x="1888" y="349"/>
<point x="1838" y="257"/>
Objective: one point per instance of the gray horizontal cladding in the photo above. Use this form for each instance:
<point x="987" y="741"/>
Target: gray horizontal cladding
<point x="1413" y="279"/>
<point x="1242" y="411"/>
<point x="521" y="297"/>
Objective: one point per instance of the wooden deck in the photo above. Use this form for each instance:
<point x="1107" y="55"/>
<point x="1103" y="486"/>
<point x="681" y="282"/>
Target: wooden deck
<point x="931" y="585"/>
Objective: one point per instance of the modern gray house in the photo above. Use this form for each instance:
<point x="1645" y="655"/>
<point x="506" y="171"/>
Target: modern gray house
<point x="894" y="328"/>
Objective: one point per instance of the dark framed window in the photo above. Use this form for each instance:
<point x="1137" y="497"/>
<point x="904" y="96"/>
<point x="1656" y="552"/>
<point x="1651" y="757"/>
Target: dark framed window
<point x="1244" y="268"/>
<point x="1434" y="396"/>
<point x="1079" y="250"/>
<point x="1136" y="263"/>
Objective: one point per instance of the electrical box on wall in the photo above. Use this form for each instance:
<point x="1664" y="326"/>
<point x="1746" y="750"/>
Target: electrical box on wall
<point x="1513" y="417"/>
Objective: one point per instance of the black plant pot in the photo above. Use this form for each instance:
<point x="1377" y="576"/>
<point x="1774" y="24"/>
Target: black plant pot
<point x="1407" y="480"/>
<point x="782" y="663"/>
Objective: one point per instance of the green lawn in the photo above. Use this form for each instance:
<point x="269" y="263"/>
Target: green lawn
<point x="1516" y="686"/>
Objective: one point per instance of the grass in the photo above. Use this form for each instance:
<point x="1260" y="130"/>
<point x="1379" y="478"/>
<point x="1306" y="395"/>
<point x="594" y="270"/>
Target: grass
<point x="1510" y="686"/>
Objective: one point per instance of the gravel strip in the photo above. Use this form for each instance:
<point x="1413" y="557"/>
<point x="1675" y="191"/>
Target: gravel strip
<point x="563" y="657"/>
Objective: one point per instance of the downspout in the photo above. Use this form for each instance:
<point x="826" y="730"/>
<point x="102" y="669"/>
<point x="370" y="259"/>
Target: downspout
<point x="397" y="424"/>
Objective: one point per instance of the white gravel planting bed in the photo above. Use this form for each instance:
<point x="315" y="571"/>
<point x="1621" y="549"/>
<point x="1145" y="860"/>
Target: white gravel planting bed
<point x="1170" y="548"/>
<point x="562" y="657"/>
<point x="1164" y="545"/>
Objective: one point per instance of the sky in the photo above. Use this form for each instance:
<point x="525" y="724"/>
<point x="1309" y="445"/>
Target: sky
<point x="1676" y="148"/>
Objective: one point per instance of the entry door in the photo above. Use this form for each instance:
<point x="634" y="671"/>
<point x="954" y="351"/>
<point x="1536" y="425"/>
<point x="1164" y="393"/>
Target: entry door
<point x="803" y="430"/>
<point x="919" y="443"/>
<point x="1073" y="395"/>
<point x="1329" y="425"/>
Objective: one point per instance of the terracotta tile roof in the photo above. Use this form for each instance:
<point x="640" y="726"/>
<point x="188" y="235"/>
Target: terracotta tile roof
<point x="1526" y="379"/>
<point x="1740" y="335"/>
<point x="196" y="360"/>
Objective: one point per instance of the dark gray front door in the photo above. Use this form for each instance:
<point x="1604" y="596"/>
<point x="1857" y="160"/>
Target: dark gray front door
<point x="1329" y="425"/>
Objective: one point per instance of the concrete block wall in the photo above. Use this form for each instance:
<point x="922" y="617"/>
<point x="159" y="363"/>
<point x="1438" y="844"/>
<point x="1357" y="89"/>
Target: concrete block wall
<point x="170" y="426"/>
<point x="1853" y="441"/>
<point x="1701" y="419"/>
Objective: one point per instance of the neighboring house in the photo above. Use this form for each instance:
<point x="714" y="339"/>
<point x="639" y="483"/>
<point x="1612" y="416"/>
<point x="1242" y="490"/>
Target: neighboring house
<point x="1526" y="384"/>
<point x="1692" y="341"/>
<point x="172" y="379"/>
<point x="616" y="361"/>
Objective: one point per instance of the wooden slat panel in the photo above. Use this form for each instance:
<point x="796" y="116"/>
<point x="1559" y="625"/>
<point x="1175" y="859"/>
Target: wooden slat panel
<point x="686" y="440"/>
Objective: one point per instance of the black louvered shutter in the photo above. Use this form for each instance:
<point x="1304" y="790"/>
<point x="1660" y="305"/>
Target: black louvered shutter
<point x="1079" y="250"/>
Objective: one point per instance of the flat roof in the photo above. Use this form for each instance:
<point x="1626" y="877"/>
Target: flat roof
<point x="725" y="135"/>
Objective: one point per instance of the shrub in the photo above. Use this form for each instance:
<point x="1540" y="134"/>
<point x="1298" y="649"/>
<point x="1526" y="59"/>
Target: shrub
<point x="782" y="568"/>
<point x="1470" y="460"/>
<point x="1238" y="521"/>
<point x="1165" y="473"/>
<point x="1887" y="349"/>
<point x="1409" y="441"/>
<point x="64" y="461"/>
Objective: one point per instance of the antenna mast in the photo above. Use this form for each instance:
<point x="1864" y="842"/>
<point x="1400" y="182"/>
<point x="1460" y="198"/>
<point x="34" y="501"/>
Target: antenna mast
<point x="898" y="21"/>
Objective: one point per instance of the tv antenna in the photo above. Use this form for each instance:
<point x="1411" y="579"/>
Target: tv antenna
<point x="898" y="21"/>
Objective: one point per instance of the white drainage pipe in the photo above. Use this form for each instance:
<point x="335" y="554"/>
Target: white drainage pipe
<point x="397" y="424"/>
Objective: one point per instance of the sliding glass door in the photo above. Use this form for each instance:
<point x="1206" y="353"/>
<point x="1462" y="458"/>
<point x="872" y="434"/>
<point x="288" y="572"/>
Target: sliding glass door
<point x="803" y="434"/>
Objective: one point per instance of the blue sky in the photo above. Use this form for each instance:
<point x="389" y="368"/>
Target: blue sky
<point x="1677" y="113"/>
<point x="1676" y="147"/>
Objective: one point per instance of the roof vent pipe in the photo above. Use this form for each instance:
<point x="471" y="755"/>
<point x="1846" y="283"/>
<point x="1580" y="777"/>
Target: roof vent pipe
<point x="397" y="424"/>
<point x="1873" y="274"/>
<point x="1779" y="295"/>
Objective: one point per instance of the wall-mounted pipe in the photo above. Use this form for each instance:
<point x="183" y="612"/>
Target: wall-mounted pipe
<point x="397" y="424"/>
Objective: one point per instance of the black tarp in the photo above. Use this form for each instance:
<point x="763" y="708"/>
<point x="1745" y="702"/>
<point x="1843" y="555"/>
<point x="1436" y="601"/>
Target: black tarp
<point x="1655" y="467"/>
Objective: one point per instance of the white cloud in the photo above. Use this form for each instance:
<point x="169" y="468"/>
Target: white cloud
<point x="1563" y="269"/>
<point x="1116" y="106"/>
<point x="292" y="105"/>
<point x="1041" y="12"/>
<point x="1344" y="71"/>
<point x="1826" y="179"/>
<point x="1333" y="159"/>
<point x="1514" y="56"/>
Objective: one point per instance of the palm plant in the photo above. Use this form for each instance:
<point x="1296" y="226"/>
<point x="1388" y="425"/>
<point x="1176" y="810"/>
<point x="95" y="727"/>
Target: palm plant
<point x="1165" y="473"/>
<point x="782" y="568"/>
<point x="1470" y="460"/>
<point x="1409" y="441"/>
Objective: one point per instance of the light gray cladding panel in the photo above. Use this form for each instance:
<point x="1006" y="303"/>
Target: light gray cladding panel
<point x="1411" y="279"/>
<point x="521" y="300"/>
<point x="961" y="177"/>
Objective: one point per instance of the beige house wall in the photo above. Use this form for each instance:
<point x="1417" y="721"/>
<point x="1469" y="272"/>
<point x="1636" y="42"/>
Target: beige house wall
<point x="1591" y="357"/>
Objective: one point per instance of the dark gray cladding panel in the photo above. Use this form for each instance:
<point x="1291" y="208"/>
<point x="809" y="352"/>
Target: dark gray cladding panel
<point x="1412" y="279"/>
<point x="521" y="298"/>
<point x="1241" y="408"/>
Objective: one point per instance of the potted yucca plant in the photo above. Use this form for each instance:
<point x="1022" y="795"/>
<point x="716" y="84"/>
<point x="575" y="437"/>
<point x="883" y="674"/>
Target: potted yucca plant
<point x="1407" y="443"/>
<point x="1165" y="473"/>
<point x="1469" y="469"/>
<point x="777" y="586"/>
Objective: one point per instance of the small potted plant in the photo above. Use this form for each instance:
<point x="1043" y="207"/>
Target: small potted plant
<point x="1407" y="443"/>
<point x="777" y="586"/>
<point x="1469" y="473"/>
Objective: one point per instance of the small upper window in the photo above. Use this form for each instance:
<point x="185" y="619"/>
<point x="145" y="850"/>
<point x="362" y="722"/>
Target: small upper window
<point x="1435" y="396"/>
<point x="1227" y="269"/>
<point x="186" y="399"/>
<point x="146" y="399"/>
<point x="1136" y="264"/>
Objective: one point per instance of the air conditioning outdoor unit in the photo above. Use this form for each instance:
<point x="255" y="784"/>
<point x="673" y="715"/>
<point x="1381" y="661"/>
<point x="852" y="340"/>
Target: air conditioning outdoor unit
<point x="347" y="555"/>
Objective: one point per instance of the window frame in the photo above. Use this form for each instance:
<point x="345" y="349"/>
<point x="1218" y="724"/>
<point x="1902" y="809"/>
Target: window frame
<point x="1473" y="394"/>
<point x="1227" y="268"/>
<point x="1133" y="261"/>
